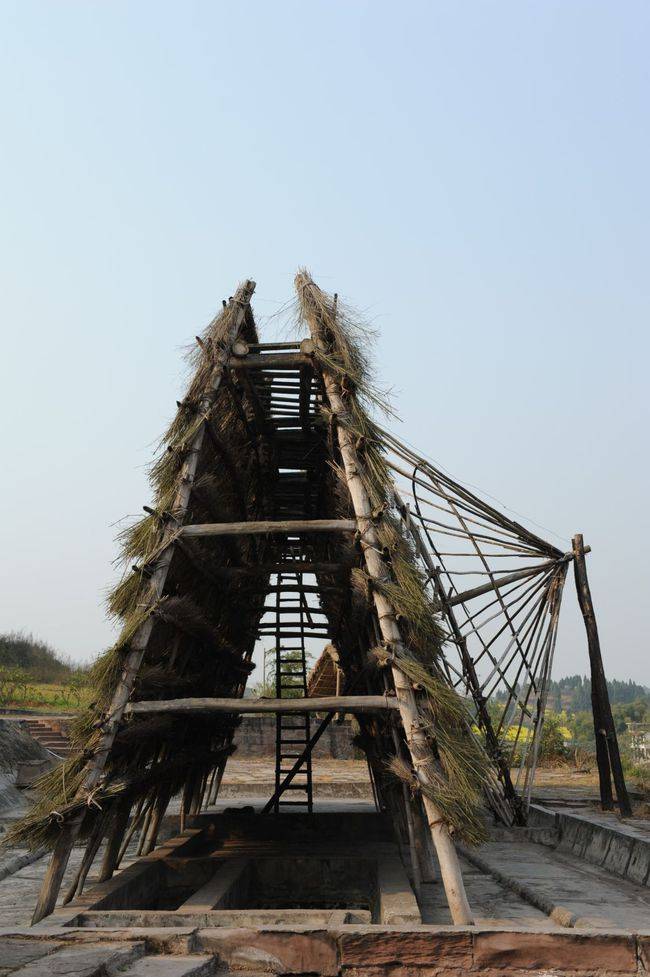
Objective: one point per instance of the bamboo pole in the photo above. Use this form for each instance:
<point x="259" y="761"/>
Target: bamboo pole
<point x="119" y="824"/>
<point x="607" y="752"/>
<point x="59" y="860"/>
<point x="469" y="668"/>
<point x="377" y="570"/>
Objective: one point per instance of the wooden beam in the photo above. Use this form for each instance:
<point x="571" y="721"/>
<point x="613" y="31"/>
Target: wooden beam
<point x="275" y="361"/>
<point x="268" y="527"/>
<point x="289" y="566"/>
<point x="333" y="704"/>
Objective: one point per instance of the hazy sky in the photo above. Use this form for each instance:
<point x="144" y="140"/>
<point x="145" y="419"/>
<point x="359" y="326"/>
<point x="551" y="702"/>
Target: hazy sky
<point x="474" y="176"/>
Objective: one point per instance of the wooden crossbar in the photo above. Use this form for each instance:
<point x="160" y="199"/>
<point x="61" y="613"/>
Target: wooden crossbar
<point x="267" y="527"/>
<point x="334" y="703"/>
<point x="257" y="361"/>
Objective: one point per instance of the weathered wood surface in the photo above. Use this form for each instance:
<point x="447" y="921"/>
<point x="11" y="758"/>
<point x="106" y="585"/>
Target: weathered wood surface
<point x="268" y="527"/>
<point x="276" y="361"/>
<point x="340" y="703"/>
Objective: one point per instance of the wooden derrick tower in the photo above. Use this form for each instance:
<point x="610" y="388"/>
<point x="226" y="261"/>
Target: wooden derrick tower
<point x="283" y="510"/>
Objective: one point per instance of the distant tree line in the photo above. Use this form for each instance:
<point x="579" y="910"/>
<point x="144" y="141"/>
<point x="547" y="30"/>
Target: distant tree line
<point x="573" y="693"/>
<point x="27" y="654"/>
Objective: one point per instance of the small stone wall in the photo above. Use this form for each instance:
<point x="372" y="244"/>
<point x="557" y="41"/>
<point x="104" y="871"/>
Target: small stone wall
<point x="255" y="737"/>
<point x="623" y="850"/>
<point x="345" y="951"/>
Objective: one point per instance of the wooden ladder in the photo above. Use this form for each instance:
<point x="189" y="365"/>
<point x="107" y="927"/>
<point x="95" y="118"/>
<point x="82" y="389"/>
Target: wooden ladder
<point x="292" y="731"/>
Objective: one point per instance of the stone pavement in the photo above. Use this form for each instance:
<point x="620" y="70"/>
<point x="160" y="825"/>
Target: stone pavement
<point x="19" y="891"/>
<point x="576" y="892"/>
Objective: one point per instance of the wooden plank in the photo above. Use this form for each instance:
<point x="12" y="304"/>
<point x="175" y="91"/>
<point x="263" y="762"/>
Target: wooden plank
<point x="268" y="527"/>
<point x="218" y="890"/>
<point x="341" y="703"/>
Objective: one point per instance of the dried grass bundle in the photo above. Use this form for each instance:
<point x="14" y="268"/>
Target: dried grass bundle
<point x="459" y="765"/>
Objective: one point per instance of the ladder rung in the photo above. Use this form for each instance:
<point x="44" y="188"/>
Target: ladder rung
<point x="294" y="803"/>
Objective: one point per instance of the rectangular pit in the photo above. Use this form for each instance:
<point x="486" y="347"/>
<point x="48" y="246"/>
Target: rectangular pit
<point x="271" y="872"/>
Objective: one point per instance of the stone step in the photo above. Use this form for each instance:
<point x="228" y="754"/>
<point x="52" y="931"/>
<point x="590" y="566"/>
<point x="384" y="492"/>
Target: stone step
<point x="174" y="965"/>
<point x="49" y="735"/>
<point x="88" y="960"/>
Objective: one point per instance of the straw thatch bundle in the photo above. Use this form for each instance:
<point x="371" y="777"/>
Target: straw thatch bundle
<point x="459" y="765"/>
<point x="200" y="639"/>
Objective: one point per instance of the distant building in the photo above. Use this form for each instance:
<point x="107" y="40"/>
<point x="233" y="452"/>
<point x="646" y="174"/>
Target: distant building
<point x="640" y="741"/>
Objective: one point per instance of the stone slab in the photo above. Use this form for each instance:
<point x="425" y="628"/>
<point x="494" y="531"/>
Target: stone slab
<point x="407" y="946"/>
<point x="172" y="966"/>
<point x="18" y="953"/>
<point x="397" y="902"/>
<point x="611" y="953"/>
<point x="638" y="869"/>
<point x="231" y="918"/>
<point x="619" y="852"/>
<point x="281" y="950"/>
<point x="84" y="961"/>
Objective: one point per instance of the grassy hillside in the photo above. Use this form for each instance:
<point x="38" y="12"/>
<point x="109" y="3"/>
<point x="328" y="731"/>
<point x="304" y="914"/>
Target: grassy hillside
<point x="34" y="677"/>
<point x="22" y="651"/>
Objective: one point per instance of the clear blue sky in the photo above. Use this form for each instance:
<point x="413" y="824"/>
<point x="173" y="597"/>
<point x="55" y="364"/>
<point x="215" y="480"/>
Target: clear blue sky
<point x="473" y="175"/>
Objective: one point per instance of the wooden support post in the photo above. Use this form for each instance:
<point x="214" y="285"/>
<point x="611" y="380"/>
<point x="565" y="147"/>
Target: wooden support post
<point x="56" y="869"/>
<point x="118" y="826"/>
<point x="377" y="570"/>
<point x="607" y="752"/>
<point x="138" y="644"/>
<point x="92" y="847"/>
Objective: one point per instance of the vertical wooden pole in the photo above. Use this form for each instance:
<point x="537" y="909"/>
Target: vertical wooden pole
<point x="607" y="752"/>
<point x="118" y="826"/>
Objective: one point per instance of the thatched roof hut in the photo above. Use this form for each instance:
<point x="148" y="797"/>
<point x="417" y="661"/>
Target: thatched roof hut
<point x="276" y="514"/>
